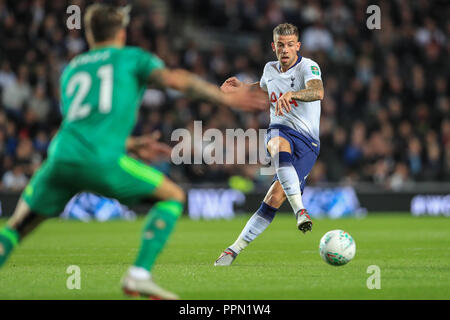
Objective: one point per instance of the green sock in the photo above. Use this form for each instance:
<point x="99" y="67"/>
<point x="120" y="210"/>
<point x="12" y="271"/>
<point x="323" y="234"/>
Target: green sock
<point x="8" y="240"/>
<point x="157" y="228"/>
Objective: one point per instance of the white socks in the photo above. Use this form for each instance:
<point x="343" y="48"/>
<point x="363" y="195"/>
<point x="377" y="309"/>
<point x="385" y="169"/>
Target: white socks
<point x="287" y="175"/>
<point x="239" y="245"/>
<point x="139" y="273"/>
<point x="296" y="202"/>
<point x="254" y="227"/>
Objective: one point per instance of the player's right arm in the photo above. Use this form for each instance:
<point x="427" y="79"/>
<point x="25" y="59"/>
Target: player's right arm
<point x="196" y="88"/>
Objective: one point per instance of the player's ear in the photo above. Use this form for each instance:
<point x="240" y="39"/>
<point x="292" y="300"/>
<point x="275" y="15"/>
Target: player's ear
<point x="89" y="38"/>
<point x="299" y="44"/>
<point x="273" y="47"/>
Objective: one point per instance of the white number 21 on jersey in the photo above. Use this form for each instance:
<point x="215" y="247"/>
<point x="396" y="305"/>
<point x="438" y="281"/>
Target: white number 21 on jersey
<point x="78" y="110"/>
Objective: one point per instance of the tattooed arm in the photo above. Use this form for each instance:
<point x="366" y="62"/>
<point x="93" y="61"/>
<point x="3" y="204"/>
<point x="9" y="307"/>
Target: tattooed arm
<point x="313" y="91"/>
<point x="196" y="88"/>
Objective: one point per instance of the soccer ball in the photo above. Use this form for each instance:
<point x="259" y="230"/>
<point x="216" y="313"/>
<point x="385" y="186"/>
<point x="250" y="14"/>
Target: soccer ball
<point x="337" y="247"/>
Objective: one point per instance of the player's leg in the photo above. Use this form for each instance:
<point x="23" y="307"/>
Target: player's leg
<point x="257" y="223"/>
<point x="160" y="222"/>
<point x="280" y="150"/>
<point x="18" y="226"/>
<point x="291" y="172"/>
<point x="41" y="199"/>
<point x="303" y="166"/>
<point x="137" y="180"/>
<point x="157" y="229"/>
<point x="281" y="153"/>
<point x="287" y="186"/>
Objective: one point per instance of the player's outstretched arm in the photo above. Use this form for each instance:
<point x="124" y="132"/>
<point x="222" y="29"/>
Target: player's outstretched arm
<point x="313" y="91"/>
<point x="196" y="88"/>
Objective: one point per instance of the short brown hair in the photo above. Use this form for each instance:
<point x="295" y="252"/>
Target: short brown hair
<point x="103" y="21"/>
<point x="285" y="29"/>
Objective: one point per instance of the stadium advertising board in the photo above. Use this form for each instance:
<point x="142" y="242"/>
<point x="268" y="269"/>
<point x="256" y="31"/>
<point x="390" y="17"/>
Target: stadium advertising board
<point x="209" y="203"/>
<point x="226" y="203"/>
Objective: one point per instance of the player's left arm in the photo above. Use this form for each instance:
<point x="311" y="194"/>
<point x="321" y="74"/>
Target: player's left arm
<point x="313" y="91"/>
<point x="196" y="88"/>
<point x="151" y="71"/>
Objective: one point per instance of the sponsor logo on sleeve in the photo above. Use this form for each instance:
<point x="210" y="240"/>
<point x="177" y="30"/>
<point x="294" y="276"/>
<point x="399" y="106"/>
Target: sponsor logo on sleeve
<point x="315" y="70"/>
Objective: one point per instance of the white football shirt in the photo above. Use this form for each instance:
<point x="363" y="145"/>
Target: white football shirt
<point x="304" y="116"/>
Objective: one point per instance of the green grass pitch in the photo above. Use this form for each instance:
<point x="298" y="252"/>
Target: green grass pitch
<point x="413" y="254"/>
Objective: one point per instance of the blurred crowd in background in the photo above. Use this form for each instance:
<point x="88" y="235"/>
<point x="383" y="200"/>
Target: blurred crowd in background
<point x="385" y="116"/>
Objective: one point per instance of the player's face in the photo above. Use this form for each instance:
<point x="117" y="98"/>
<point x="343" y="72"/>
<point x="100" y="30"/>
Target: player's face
<point x="286" y="47"/>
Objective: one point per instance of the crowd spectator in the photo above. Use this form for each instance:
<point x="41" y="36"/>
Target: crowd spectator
<point x="385" y="115"/>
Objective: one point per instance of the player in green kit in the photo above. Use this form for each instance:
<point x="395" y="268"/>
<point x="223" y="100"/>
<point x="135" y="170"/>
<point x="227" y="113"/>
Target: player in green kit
<point x="101" y="91"/>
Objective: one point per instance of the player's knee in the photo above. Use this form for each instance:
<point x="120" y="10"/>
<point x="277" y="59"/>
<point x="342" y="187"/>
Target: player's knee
<point x="178" y="194"/>
<point x="277" y="145"/>
<point x="168" y="190"/>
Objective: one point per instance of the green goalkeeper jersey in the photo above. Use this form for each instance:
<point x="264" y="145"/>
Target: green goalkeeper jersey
<point x="101" y="91"/>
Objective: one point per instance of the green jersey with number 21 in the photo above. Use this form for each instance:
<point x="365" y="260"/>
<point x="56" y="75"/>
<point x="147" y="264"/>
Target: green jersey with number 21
<point x="101" y="91"/>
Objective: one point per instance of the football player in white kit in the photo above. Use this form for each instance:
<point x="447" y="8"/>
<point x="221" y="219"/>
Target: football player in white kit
<point x="294" y="87"/>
